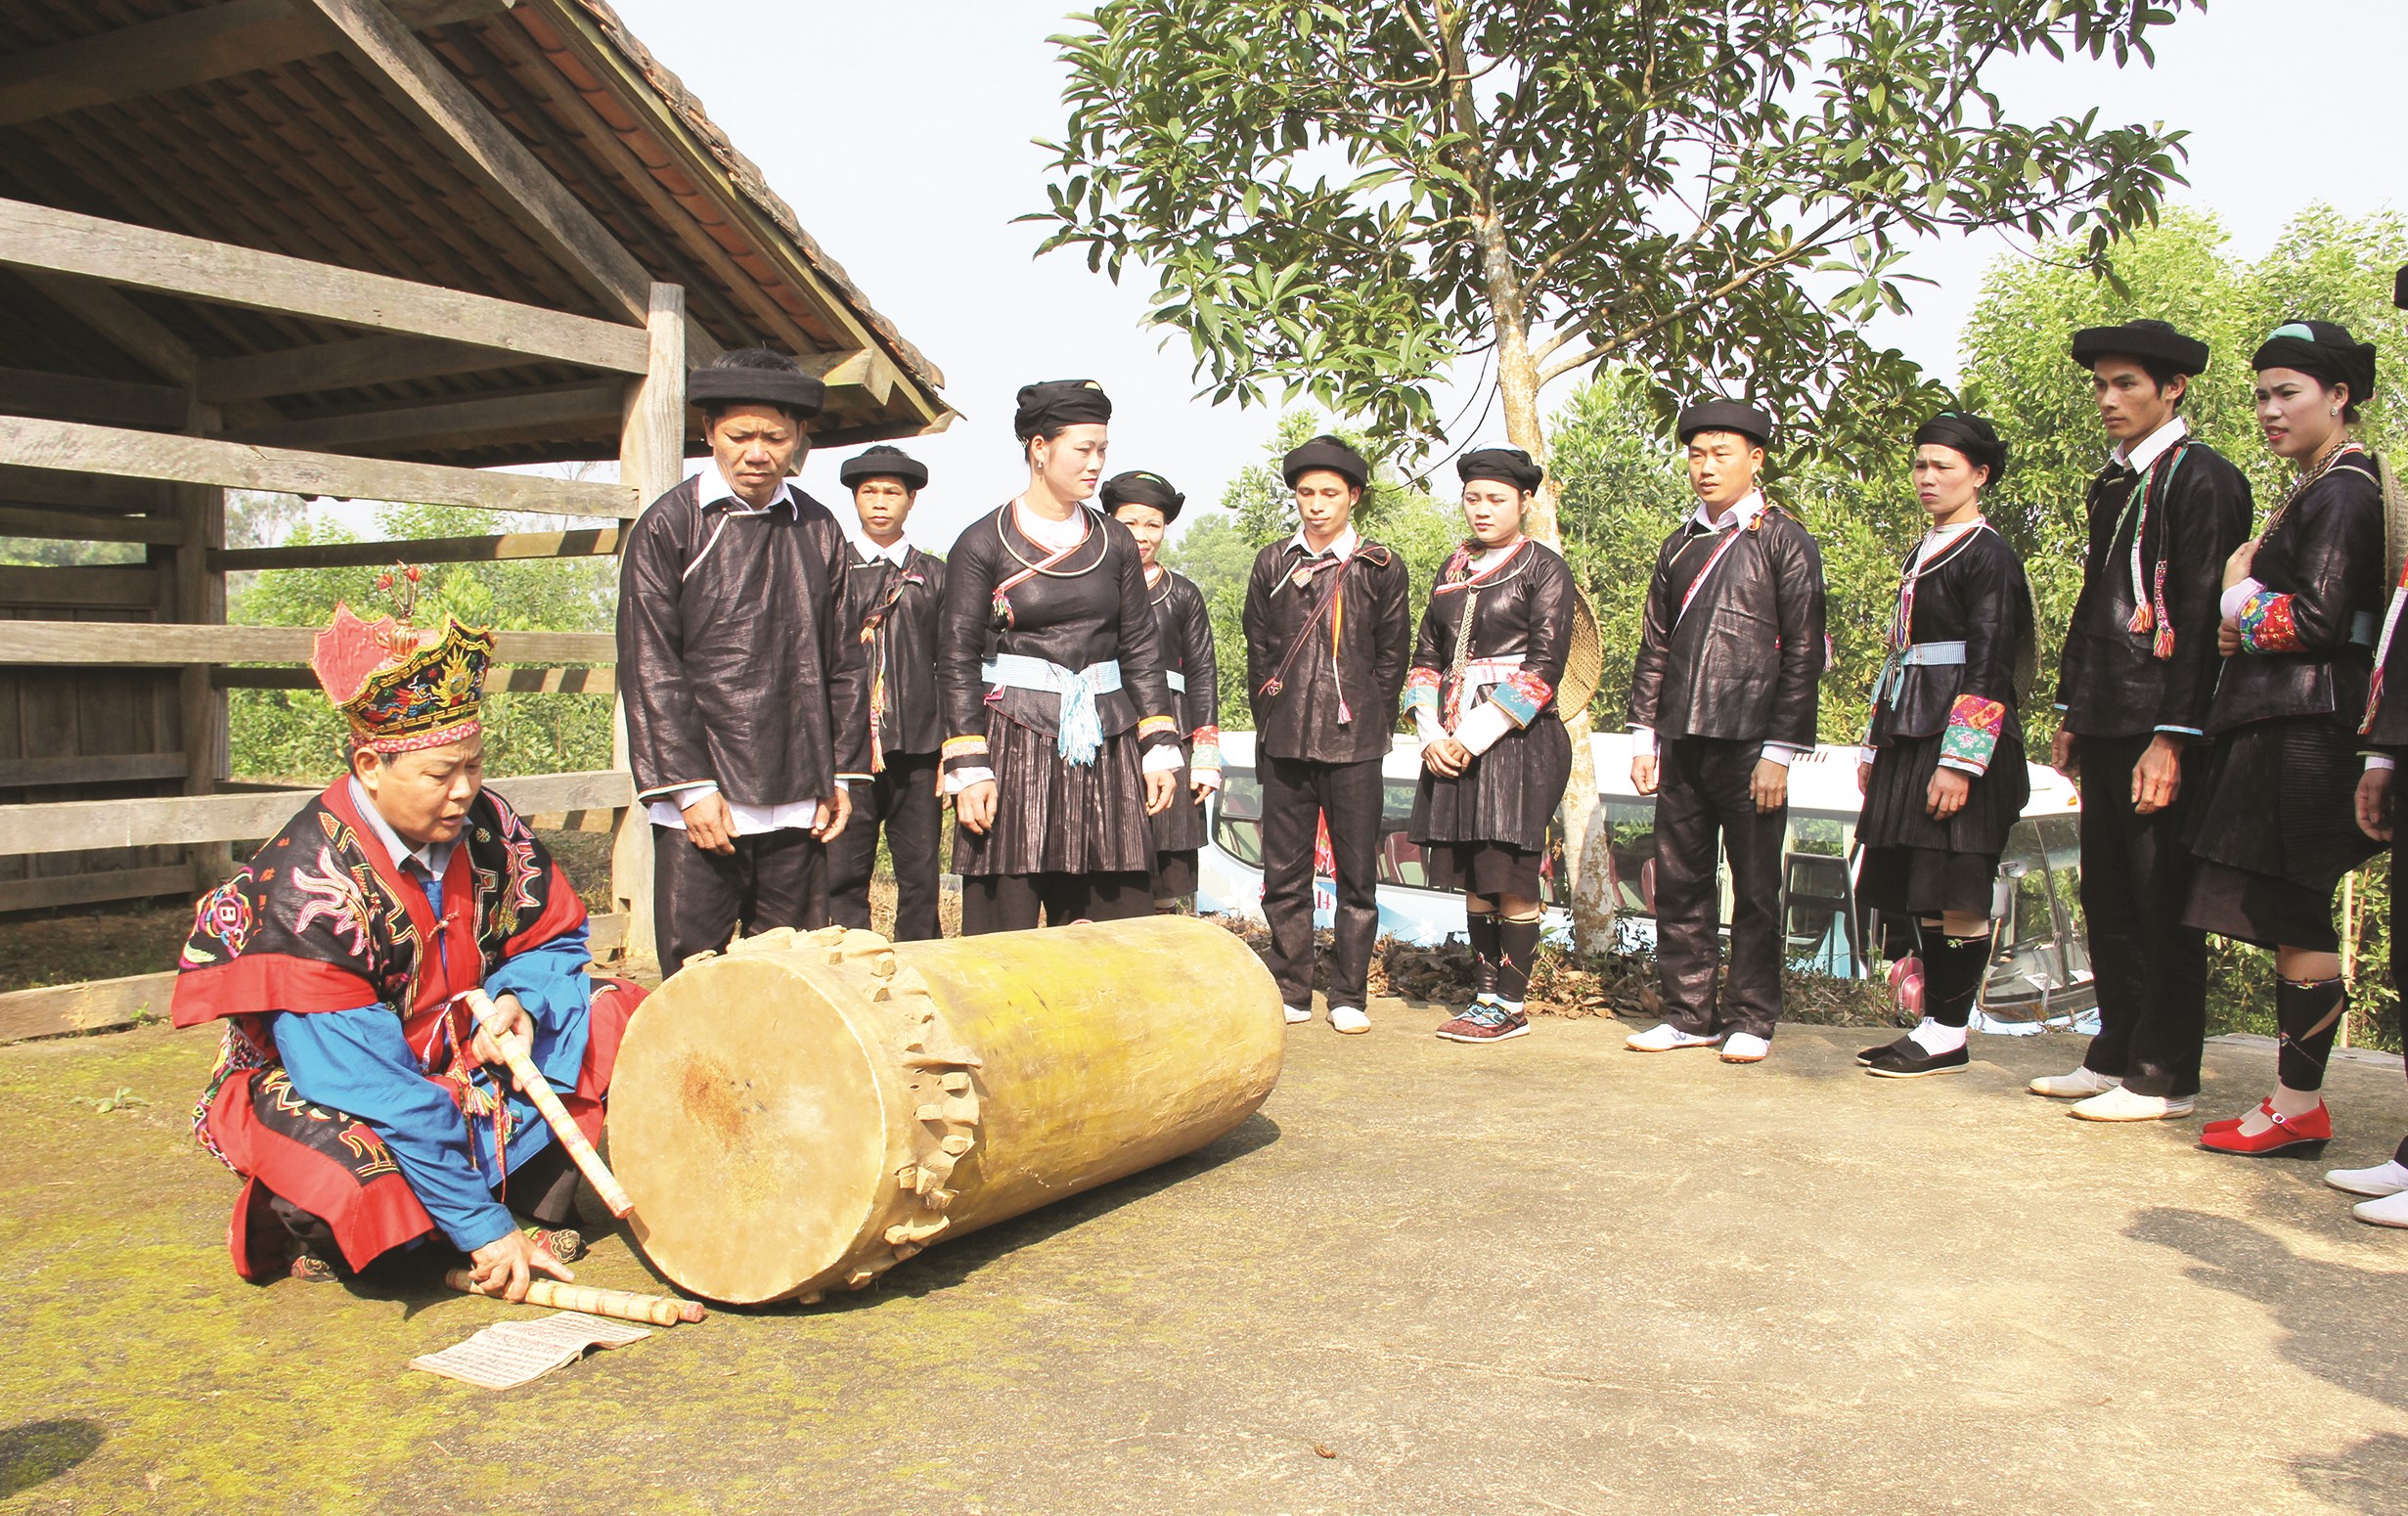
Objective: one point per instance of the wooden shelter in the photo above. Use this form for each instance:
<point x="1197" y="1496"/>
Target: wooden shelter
<point x="362" y="248"/>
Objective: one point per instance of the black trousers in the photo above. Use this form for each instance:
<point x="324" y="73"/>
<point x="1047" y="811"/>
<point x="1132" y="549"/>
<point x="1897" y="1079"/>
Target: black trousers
<point x="1013" y="902"/>
<point x="2150" y="970"/>
<point x="1296" y="792"/>
<point x="901" y="798"/>
<point x="771" y="881"/>
<point x="1703" y="802"/>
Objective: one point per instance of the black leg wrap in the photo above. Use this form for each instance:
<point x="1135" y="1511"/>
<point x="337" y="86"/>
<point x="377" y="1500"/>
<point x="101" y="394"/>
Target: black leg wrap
<point x="1952" y="970"/>
<point x="2309" y="1016"/>
<point x="1517" y="953"/>
<point x="1480" y="927"/>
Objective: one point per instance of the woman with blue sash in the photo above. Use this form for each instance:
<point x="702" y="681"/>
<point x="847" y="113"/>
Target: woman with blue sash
<point x="1060" y="739"/>
<point x="1942" y="768"/>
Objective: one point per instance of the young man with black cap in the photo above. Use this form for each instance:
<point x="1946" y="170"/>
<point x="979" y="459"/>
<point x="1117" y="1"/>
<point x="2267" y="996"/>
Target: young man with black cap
<point x="2134" y="688"/>
<point x="893" y="591"/>
<point x="1147" y="504"/>
<point x="1329" y="632"/>
<point x="745" y="690"/>
<point x="1723" y="697"/>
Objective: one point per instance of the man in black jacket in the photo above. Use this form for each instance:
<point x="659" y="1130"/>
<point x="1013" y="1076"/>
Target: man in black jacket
<point x="2139" y="671"/>
<point x="1723" y="697"/>
<point x="744" y="689"/>
<point x="1328" y="634"/>
<point x="892" y="595"/>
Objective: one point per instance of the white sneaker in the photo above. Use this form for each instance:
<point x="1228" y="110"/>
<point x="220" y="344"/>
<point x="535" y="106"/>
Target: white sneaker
<point x="2080" y="1085"/>
<point x="1297" y="1017"/>
<point x="2122" y="1104"/>
<point x="1745" y="1047"/>
<point x="1665" y="1037"/>
<point x="2384" y="1179"/>
<point x="2389" y="1210"/>
<point x="1349" y="1019"/>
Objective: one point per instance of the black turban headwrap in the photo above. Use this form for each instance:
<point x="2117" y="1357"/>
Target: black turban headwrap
<point x="884" y="463"/>
<point x="2153" y="340"/>
<point x="1505" y="464"/>
<point x="1728" y="416"/>
<point x="1970" y="434"/>
<point x="2325" y="353"/>
<point x="2399" y="287"/>
<point x="1136" y="487"/>
<point x="1327" y="452"/>
<point x="755" y="377"/>
<point x="1058" y="403"/>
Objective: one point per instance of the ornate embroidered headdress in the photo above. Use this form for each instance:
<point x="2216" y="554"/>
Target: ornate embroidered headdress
<point x="400" y="689"/>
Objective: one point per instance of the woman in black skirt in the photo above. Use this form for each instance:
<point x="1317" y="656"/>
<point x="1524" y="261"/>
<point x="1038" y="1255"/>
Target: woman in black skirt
<point x="1494" y="753"/>
<point x="1060" y="741"/>
<point x="1147" y="504"/>
<point x="2276" y="825"/>
<point x="1942" y="771"/>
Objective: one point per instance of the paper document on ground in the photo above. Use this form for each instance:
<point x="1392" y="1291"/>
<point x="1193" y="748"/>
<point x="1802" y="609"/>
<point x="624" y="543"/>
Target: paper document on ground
<point x="509" y="1354"/>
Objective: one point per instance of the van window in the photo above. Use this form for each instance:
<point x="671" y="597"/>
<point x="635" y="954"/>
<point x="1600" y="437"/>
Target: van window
<point x="1630" y="852"/>
<point x="1237" y="830"/>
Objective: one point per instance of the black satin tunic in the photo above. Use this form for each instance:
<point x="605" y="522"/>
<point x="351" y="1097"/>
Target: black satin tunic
<point x="913" y="721"/>
<point x="1288" y="639"/>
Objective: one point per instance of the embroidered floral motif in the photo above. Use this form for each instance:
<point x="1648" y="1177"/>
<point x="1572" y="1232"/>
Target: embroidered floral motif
<point x="518" y="855"/>
<point x="336" y="896"/>
<point x="1149" y="725"/>
<point x="2267" y="624"/>
<point x="1206" y="753"/>
<point x="1421" y="697"/>
<point x="224" y="916"/>
<point x="965" y="747"/>
<point x="1522" y="697"/>
<point x="1974" y="727"/>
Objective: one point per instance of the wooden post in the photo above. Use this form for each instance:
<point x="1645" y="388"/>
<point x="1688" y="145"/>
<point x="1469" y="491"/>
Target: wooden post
<point x="201" y="598"/>
<point x="652" y="458"/>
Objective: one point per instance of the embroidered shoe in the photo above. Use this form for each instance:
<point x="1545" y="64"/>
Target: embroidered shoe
<point x="311" y="1267"/>
<point x="559" y="1241"/>
<point x="1485" y="1021"/>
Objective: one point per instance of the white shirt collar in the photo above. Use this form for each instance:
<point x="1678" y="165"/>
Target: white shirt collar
<point x="1343" y="549"/>
<point x="1049" y="533"/>
<point x="2153" y="447"/>
<point x="434" y="857"/>
<point x="897" y="555"/>
<point x="1489" y="557"/>
<point x="1743" y="513"/>
<point x="1938" y="537"/>
<point x="716" y="488"/>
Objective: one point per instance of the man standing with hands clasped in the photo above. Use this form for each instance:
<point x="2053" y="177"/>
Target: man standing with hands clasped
<point x="745" y="692"/>
<point x="2139" y="671"/>
<point x="1723" y="697"/>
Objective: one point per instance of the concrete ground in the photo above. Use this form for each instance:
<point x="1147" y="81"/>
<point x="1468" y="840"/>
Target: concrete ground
<point x="1548" y="1277"/>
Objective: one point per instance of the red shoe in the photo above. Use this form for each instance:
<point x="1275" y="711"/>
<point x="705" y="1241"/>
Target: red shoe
<point x="2304" y="1135"/>
<point x="2229" y="1122"/>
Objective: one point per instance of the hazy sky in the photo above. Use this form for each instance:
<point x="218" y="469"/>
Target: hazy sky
<point x="900" y="132"/>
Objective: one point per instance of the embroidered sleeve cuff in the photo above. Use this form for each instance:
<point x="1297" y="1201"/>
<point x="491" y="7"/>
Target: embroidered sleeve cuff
<point x="1156" y="725"/>
<point x="1974" y="727"/>
<point x="1421" y="697"/>
<point x="1164" y="759"/>
<point x="1206" y="753"/>
<point x="1523" y="695"/>
<point x="2239" y="596"/>
<point x="1642" y="741"/>
<point x="959" y="780"/>
<point x="2376" y="761"/>
<point x="962" y="753"/>
<point x="2266" y="624"/>
<point x="1480" y="729"/>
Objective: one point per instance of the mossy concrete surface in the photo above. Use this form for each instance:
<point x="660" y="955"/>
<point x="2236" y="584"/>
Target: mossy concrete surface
<point x="1543" y="1277"/>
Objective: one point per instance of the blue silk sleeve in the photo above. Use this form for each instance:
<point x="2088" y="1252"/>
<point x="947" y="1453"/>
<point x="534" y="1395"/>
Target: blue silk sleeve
<point x="552" y="983"/>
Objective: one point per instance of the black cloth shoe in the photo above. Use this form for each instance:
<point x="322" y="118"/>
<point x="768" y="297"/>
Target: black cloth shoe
<point x="1904" y="1045"/>
<point x="1906" y="1060"/>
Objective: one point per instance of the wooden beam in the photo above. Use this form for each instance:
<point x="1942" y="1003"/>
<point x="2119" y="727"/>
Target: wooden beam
<point x="68" y="527"/>
<point x="511" y="680"/>
<point x="590" y="541"/>
<point x="129" y="643"/>
<point x="99" y="493"/>
<point x="863" y="367"/>
<point x="75" y="398"/>
<point x="132" y="587"/>
<point x="110" y="450"/>
<point x="588" y="407"/>
<point x="125" y="324"/>
<point x="63" y="243"/>
<point x="73" y="825"/>
<point x="651" y="458"/>
<point x="90" y="889"/>
<point x="91" y="768"/>
<point x="177" y="52"/>
<point x="427" y="90"/>
<point x="353" y="364"/>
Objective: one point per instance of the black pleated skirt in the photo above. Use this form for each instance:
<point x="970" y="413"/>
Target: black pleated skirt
<point x="1180" y="828"/>
<point x="1914" y="864"/>
<point x="2274" y="829"/>
<point x="1509" y="795"/>
<point x="1053" y="817"/>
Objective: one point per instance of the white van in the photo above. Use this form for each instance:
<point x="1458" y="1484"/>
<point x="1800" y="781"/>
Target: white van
<point x="2041" y="974"/>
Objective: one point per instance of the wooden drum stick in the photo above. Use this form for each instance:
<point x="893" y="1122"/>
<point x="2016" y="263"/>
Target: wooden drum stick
<point x="538" y="1090"/>
<point x="619" y="1304"/>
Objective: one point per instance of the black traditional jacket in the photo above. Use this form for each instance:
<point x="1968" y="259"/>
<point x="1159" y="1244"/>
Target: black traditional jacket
<point x="1307" y="703"/>
<point x="1089" y="608"/>
<point x="2140" y="652"/>
<point x="892" y="611"/>
<point x="1185" y="628"/>
<point x="2307" y="637"/>
<point x="1732" y="645"/>
<point x="1970" y="591"/>
<point x="735" y="658"/>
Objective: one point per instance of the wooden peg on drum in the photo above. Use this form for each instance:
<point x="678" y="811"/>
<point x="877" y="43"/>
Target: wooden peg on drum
<point x="516" y="1057"/>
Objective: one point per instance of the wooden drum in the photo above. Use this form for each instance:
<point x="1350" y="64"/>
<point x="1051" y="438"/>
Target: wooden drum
<point x="814" y="1108"/>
